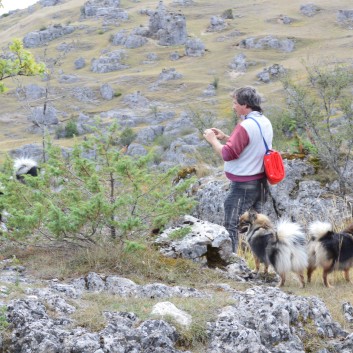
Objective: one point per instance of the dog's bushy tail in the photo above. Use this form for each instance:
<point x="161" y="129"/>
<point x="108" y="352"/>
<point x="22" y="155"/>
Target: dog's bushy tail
<point x="319" y="229"/>
<point x="291" y="247"/>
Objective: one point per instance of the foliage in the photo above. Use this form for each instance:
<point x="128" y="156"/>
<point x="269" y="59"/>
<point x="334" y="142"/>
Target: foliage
<point x="95" y="191"/>
<point x="201" y="119"/>
<point x="133" y="246"/>
<point x="322" y="109"/>
<point x="3" y="319"/>
<point x="179" y="233"/>
<point x="69" y="130"/>
<point x="127" y="136"/>
<point x="19" y="62"/>
<point x="215" y="82"/>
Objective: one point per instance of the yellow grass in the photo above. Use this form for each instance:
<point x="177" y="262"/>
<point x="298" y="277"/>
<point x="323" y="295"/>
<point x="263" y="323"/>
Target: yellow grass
<point x="316" y="38"/>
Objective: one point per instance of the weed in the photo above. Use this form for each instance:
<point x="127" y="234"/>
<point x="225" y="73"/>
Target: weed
<point x="179" y="233"/>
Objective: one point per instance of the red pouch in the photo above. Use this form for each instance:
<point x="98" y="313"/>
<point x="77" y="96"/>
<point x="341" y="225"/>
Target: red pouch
<point x="274" y="167"/>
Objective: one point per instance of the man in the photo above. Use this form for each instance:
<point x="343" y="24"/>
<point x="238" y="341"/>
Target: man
<point x="243" y="155"/>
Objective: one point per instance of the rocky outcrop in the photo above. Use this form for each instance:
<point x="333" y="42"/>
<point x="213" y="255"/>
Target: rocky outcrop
<point x="201" y="241"/>
<point x="46" y="117"/>
<point x="109" y="62"/>
<point x="295" y="198"/>
<point x="194" y="47"/>
<point x="260" y="319"/>
<point x="271" y="73"/>
<point x="265" y="320"/>
<point x="240" y="63"/>
<point x="217" y="24"/>
<point x="345" y="18"/>
<point x="39" y="38"/>
<point x="129" y="41"/>
<point x="104" y="8"/>
<point x="309" y="10"/>
<point x="167" y="27"/>
<point x="269" y="42"/>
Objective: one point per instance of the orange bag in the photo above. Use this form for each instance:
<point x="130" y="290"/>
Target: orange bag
<point x="273" y="162"/>
<point x="274" y="167"/>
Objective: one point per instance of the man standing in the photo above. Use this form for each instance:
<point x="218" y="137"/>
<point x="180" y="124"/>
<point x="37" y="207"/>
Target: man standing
<point x="243" y="155"/>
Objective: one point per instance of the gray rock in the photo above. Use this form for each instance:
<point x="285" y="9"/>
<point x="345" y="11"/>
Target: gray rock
<point x="84" y="94"/>
<point x="309" y="10"/>
<point x="28" y="151"/>
<point x="167" y="28"/>
<point x="194" y="47"/>
<point x="174" y="56"/>
<point x="210" y="91"/>
<point x="345" y="17"/>
<point x="33" y="92"/>
<point x="136" y="149"/>
<point x="268" y="42"/>
<point x="84" y="124"/>
<point x="183" y="2"/>
<point x="46" y="3"/>
<point x="112" y="61"/>
<point x="38" y="117"/>
<point x="239" y="63"/>
<point x="136" y="99"/>
<point x="265" y="320"/>
<point x="169" y="74"/>
<point x="205" y="241"/>
<point x="147" y="135"/>
<point x="39" y="38"/>
<point x="68" y="78"/>
<point x="217" y="24"/>
<point x="107" y="92"/>
<point x="109" y="9"/>
<point x="80" y="63"/>
<point x="273" y="72"/>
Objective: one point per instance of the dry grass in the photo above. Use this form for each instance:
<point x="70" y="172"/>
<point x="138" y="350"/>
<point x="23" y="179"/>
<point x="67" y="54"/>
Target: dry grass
<point x="316" y="38"/>
<point x="148" y="266"/>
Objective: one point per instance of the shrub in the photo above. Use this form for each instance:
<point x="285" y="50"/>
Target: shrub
<point x="127" y="136"/>
<point x="103" y="193"/>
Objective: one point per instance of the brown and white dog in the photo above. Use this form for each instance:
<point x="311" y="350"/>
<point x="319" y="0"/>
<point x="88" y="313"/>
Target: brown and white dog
<point x="283" y="246"/>
<point x="329" y="250"/>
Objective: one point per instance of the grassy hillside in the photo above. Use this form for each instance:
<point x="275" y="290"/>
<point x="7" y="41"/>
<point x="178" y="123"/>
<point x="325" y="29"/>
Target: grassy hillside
<point x="316" y="38"/>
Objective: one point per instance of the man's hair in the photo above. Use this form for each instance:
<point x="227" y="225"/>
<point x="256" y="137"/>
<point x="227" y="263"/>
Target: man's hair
<point x="249" y="97"/>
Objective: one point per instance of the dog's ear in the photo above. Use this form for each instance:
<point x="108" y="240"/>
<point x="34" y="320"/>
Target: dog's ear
<point x="252" y="216"/>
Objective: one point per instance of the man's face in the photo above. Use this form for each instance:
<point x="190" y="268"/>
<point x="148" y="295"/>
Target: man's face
<point x="238" y="108"/>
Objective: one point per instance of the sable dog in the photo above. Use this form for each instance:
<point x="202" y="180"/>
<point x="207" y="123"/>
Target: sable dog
<point x="283" y="247"/>
<point x="330" y="250"/>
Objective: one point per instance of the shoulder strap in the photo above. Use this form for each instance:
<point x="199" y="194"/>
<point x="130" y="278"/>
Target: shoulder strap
<point x="266" y="146"/>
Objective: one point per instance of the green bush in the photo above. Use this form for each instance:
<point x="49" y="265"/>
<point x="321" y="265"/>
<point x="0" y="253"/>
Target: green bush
<point x="71" y="128"/>
<point x="108" y="194"/>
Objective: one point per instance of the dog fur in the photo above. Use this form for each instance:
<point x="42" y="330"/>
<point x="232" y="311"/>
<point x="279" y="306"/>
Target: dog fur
<point x="24" y="166"/>
<point x="21" y="166"/>
<point x="329" y="250"/>
<point x="283" y="246"/>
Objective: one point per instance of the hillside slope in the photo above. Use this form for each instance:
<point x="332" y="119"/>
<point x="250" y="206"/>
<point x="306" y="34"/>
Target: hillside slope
<point x="316" y="36"/>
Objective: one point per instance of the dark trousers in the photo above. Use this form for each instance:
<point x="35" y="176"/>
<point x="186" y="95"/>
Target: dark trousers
<point x="242" y="196"/>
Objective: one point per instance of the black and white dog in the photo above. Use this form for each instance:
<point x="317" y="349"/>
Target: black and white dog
<point x="283" y="246"/>
<point x="25" y="166"/>
<point x="329" y="250"/>
<point x="21" y="167"/>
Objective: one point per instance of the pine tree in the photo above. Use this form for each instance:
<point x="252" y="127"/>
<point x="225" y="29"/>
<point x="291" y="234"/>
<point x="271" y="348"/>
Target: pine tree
<point x="97" y="191"/>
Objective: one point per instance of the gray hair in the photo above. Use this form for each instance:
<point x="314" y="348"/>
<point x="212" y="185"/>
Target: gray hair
<point x="249" y="97"/>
